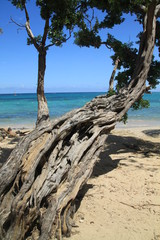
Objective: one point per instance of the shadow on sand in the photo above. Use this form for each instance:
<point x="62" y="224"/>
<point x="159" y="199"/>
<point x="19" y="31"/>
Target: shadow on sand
<point x="152" y="133"/>
<point x="115" y="145"/>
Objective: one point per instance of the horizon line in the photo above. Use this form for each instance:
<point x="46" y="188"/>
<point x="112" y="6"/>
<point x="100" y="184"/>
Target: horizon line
<point x="15" y="93"/>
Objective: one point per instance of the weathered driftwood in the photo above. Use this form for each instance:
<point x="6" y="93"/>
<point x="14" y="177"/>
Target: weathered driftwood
<point x="44" y="173"/>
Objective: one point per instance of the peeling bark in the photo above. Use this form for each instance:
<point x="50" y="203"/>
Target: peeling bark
<point x="44" y="173"/>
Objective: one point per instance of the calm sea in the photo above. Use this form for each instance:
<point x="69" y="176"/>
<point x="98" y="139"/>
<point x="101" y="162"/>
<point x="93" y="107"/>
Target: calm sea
<point x="21" y="109"/>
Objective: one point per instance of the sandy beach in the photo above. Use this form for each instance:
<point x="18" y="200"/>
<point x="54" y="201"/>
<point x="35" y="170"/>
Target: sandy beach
<point x="121" y="200"/>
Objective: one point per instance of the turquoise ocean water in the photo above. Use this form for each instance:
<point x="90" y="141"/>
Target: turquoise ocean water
<point x="20" y="110"/>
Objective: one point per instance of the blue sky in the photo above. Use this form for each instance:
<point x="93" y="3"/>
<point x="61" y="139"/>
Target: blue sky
<point x="69" y="68"/>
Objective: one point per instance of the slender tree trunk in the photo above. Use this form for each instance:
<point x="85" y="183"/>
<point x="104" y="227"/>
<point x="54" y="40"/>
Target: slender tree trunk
<point x="111" y="81"/>
<point x="44" y="173"/>
<point x="43" y="112"/>
<point x="137" y="85"/>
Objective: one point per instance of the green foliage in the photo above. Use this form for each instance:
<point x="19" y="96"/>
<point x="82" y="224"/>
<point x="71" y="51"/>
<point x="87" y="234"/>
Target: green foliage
<point x="111" y="93"/>
<point x="154" y="74"/>
<point x="1" y="31"/>
<point x="87" y="38"/>
<point x="140" y="104"/>
<point x="87" y="35"/>
<point x="112" y="9"/>
<point x="114" y="13"/>
<point x="18" y="3"/>
<point x="158" y="36"/>
<point x="125" y="51"/>
<point x="38" y="40"/>
<point x="63" y="16"/>
<point x="124" y="118"/>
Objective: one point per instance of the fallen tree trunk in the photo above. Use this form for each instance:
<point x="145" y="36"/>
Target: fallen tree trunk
<point x="44" y="173"/>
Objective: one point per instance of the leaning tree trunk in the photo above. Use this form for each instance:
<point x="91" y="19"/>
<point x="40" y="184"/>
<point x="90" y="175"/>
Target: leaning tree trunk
<point x="43" y="112"/>
<point x="44" y="173"/>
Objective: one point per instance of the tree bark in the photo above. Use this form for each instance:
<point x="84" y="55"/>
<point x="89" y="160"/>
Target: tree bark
<point x="111" y="81"/>
<point x="43" y="112"/>
<point x="44" y="173"/>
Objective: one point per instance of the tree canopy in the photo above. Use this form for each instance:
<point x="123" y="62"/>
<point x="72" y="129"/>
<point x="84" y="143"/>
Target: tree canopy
<point x="60" y="18"/>
<point x="115" y="13"/>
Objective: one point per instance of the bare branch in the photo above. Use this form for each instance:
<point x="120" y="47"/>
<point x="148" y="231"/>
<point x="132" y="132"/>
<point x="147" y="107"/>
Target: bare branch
<point x="92" y="15"/>
<point x="88" y="20"/>
<point x="58" y="42"/>
<point x="18" y="24"/>
<point x="45" y="32"/>
<point x="28" y="29"/>
<point x="105" y="43"/>
<point x="85" y="17"/>
<point x="26" y="13"/>
<point x="79" y="6"/>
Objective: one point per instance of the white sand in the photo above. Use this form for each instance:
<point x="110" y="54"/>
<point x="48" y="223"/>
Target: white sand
<point x="122" y="199"/>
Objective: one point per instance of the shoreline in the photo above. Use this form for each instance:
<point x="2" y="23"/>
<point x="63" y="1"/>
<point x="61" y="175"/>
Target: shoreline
<point x="139" y="124"/>
<point x="131" y="123"/>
